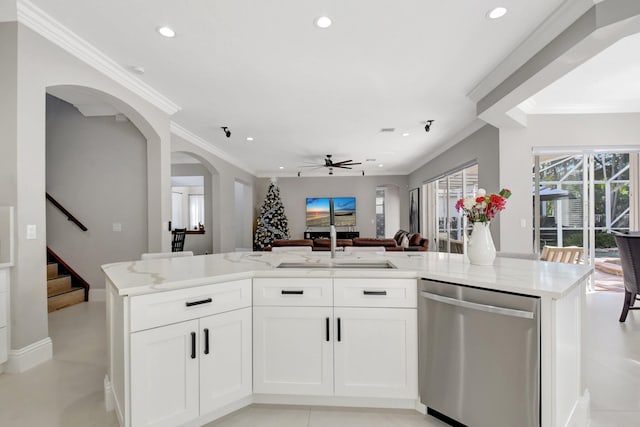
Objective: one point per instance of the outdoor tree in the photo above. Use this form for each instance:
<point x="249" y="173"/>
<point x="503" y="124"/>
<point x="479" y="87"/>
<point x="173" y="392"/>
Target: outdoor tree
<point x="272" y="222"/>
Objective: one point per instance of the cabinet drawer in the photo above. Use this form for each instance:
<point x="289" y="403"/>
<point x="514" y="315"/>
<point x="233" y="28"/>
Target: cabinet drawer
<point x="163" y="308"/>
<point x="375" y="293"/>
<point x="293" y="292"/>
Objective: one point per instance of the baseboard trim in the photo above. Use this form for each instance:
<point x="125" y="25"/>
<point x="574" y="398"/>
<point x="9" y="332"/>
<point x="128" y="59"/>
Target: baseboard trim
<point x="97" y="294"/>
<point x="581" y="412"/>
<point x="337" y="401"/>
<point x="23" y="359"/>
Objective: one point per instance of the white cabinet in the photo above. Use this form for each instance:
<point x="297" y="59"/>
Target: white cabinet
<point x="4" y="314"/>
<point x="186" y="353"/>
<point x="225" y="364"/>
<point x="164" y="375"/>
<point x="365" y="346"/>
<point x="181" y="371"/>
<point x="293" y="350"/>
<point x="376" y="352"/>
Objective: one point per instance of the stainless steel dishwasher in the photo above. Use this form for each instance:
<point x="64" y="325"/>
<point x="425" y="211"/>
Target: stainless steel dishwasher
<point x="479" y="355"/>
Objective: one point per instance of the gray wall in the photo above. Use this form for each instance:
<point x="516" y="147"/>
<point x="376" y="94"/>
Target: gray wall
<point x="483" y="146"/>
<point x="199" y="244"/>
<point x="96" y="168"/>
<point x="294" y="191"/>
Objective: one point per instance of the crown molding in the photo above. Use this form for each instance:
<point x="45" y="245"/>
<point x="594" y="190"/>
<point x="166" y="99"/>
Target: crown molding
<point x="43" y="24"/>
<point x="200" y="142"/>
<point x="564" y="15"/>
<point x="528" y="106"/>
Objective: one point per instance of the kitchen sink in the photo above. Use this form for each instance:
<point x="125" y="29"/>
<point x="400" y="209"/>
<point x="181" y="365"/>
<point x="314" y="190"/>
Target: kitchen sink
<point x="339" y="264"/>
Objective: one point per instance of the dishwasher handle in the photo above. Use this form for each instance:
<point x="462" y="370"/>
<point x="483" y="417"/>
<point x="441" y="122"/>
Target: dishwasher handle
<point x="480" y="307"/>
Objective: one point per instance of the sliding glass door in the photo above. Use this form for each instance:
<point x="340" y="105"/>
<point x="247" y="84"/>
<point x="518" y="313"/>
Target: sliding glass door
<point x="442" y="194"/>
<point x="580" y="198"/>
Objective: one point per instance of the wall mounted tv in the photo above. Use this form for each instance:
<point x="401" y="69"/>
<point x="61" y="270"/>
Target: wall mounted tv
<point x="318" y="211"/>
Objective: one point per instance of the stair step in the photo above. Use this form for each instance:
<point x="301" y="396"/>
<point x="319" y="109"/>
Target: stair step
<point x="70" y="297"/>
<point x="58" y="285"/>
<point x="52" y="270"/>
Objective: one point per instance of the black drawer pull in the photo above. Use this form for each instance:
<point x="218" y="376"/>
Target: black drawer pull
<point x="193" y="345"/>
<point x="327" y="329"/>
<point x="339" y="331"/>
<point x="283" y="292"/>
<point x="202" y="301"/>
<point x="374" y="292"/>
<point x="206" y="340"/>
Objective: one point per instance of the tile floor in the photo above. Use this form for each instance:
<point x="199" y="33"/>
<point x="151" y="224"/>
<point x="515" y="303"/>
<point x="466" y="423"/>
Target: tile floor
<point x="67" y="391"/>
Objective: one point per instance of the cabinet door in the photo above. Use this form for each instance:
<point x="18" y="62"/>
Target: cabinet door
<point x="164" y="375"/>
<point x="225" y="359"/>
<point x="293" y="350"/>
<point x="376" y="353"/>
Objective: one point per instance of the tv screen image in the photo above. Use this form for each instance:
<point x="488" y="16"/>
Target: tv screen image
<point x="344" y="211"/>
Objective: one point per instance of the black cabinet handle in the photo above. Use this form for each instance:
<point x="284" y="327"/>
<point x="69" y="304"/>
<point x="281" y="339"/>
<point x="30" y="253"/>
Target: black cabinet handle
<point x="206" y="340"/>
<point x="283" y="292"/>
<point x="374" y="292"/>
<point x="339" y="331"/>
<point x="327" y="325"/>
<point x="202" y="301"/>
<point x="193" y="345"/>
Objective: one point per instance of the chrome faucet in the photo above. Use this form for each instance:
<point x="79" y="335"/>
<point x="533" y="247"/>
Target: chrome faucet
<point x="332" y="229"/>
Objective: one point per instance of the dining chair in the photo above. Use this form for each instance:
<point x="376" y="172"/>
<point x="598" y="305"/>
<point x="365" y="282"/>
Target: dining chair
<point x="568" y="255"/>
<point x="179" y="235"/>
<point x="629" y="248"/>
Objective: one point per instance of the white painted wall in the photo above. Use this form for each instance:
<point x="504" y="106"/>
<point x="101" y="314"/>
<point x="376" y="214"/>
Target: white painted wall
<point x="97" y="169"/>
<point x="243" y="216"/>
<point x="294" y="192"/>
<point x="516" y="160"/>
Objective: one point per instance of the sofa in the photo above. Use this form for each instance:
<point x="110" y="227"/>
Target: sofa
<point x="414" y="243"/>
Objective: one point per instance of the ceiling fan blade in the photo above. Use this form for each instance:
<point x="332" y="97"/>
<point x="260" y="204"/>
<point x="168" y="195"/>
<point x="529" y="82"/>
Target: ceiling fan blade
<point x="342" y="167"/>
<point x="347" y="164"/>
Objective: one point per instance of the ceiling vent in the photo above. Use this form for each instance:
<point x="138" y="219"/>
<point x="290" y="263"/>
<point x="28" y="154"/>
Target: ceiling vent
<point x="387" y="130"/>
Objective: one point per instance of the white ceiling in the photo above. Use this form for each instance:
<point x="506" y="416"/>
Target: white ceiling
<point x="264" y="70"/>
<point x="607" y="83"/>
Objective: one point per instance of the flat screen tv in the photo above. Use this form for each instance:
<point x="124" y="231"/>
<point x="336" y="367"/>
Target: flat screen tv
<point x="344" y="211"/>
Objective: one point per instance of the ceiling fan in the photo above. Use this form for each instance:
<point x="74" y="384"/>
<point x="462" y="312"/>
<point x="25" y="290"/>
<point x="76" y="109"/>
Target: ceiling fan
<point x="330" y="164"/>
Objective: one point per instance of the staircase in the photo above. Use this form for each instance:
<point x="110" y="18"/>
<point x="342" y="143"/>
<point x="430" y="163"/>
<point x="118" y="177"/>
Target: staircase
<point x="60" y="291"/>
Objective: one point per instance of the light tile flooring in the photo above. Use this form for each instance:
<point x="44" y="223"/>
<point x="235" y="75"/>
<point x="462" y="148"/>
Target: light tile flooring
<point x="67" y="391"/>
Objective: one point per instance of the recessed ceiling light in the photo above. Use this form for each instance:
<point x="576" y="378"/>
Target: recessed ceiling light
<point x="497" y="12"/>
<point x="249" y="138"/>
<point x="323" y="22"/>
<point x="281" y="167"/>
<point x="406" y="134"/>
<point x="380" y="165"/>
<point x="166" y="32"/>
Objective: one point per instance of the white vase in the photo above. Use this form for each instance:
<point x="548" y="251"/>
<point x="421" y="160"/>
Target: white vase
<point x="480" y="248"/>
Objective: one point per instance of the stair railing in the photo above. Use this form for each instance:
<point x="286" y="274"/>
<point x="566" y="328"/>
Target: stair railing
<point x="66" y="212"/>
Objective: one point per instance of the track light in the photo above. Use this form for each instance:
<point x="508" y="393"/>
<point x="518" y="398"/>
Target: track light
<point x="228" y="132"/>
<point x="427" y="126"/>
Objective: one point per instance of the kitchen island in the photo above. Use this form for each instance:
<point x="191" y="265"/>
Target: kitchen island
<point x="194" y="338"/>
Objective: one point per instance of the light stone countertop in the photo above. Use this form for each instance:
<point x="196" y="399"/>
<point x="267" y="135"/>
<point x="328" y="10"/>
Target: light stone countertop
<point x="537" y="278"/>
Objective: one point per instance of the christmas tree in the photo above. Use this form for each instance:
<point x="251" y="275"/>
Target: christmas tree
<point x="272" y="222"/>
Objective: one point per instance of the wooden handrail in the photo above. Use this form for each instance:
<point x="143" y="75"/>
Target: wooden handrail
<point x="76" y="279"/>
<point x="66" y="212"/>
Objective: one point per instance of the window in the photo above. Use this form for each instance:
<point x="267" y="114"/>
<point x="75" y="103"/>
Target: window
<point x="187" y="202"/>
<point x="196" y="211"/>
